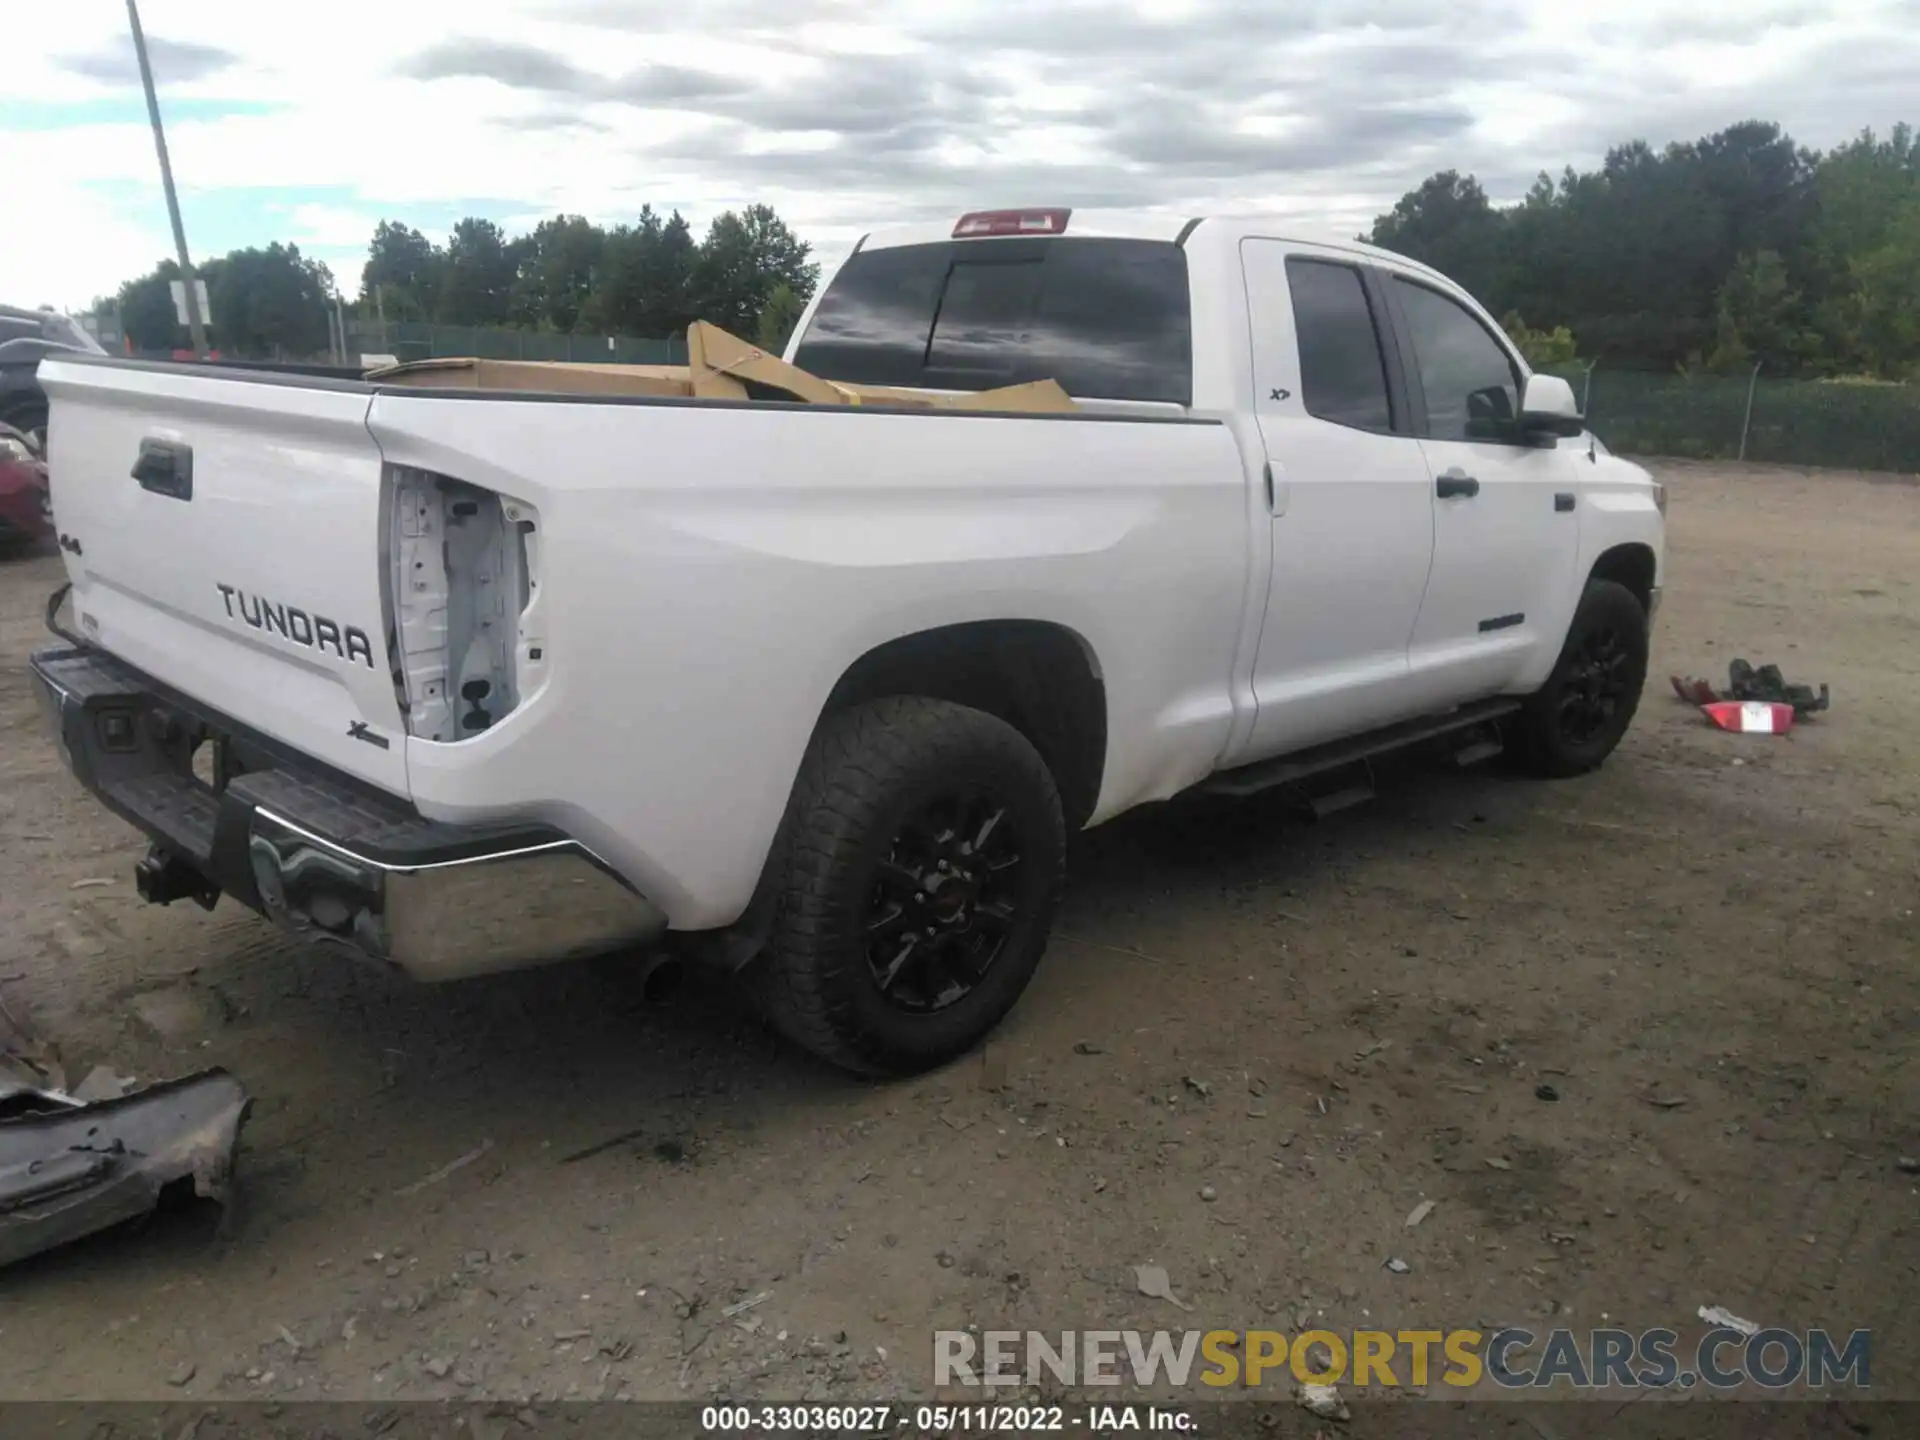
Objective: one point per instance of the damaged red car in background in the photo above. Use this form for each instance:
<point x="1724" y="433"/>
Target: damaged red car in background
<point x="26" y="501"/>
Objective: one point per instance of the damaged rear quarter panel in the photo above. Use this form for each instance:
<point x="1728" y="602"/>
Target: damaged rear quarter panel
<point x="712" y="571"/>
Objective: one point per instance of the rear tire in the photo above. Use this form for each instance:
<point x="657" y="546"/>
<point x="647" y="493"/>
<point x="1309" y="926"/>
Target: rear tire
<point x="923" y="862"/>
<point x="1574" y="721"/>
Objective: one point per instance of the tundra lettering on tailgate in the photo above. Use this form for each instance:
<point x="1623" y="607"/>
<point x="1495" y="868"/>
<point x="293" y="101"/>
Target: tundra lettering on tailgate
<point x="316" y="632"/>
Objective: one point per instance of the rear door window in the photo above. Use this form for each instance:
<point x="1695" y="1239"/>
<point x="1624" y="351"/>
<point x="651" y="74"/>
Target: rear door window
<point x="1107" y="319"/>
<point x="1343" y="374"/>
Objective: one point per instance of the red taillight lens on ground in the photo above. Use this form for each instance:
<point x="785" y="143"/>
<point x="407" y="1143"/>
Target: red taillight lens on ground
<point x="1751" y="717"/>
<point x="981" y="223"/>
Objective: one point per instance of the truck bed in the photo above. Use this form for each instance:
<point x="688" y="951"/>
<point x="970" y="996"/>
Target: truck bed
<point x="655" y="594"/>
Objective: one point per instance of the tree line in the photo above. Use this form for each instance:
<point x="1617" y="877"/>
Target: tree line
<point x="650" y="278"/>
<point x="1739" y="248"/>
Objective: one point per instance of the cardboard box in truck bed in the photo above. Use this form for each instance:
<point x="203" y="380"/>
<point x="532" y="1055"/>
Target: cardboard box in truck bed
<point x="719" y="367"/>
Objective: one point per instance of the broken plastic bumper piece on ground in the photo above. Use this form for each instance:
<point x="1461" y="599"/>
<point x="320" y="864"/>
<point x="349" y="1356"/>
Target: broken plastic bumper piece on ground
<point x="1749" y="693"/>
<point x="69" y="1168"/>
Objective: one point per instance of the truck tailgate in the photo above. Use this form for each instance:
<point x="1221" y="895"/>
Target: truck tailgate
<point x="223" y="534"/>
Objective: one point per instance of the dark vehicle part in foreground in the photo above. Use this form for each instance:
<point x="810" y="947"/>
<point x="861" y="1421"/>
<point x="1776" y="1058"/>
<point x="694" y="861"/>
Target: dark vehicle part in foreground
<point x="69" y="1169"/>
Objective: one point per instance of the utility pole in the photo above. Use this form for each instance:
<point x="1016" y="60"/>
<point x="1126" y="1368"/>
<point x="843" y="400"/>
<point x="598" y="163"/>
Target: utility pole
<point x="195" y="324"/>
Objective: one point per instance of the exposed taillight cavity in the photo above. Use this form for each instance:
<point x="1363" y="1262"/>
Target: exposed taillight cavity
<point x="466" y="606"/>
<point x="980" y="223"/>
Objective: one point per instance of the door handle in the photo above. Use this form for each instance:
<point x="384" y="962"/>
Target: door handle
<point x="1453" y="484"/>
<point x="165" y="467"/>
<point x="1563" y="501"/>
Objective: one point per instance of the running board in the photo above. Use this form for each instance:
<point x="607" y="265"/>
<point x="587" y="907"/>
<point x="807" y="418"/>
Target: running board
<point x="1290" y="769"/>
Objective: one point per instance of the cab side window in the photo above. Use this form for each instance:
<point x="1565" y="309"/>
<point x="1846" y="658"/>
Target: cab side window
<point x="1343" y="375"/>
<point x="1472" y="386"/>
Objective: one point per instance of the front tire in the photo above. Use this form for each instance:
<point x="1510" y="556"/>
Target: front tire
<point x="923" y="863"/>
<point x="1574" y="721"/>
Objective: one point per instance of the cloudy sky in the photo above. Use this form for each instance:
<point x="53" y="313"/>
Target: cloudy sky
<point x="310" y="122"/>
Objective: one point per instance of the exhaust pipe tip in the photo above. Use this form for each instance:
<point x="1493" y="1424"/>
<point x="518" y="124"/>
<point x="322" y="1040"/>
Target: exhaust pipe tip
<point x="660" y="976"/>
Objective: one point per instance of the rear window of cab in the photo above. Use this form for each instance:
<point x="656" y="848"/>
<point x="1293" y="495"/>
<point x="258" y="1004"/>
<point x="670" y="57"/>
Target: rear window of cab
<point x="1108" y="319"/>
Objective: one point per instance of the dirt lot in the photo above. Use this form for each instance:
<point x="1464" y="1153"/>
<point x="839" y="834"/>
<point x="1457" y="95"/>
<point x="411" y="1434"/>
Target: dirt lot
<point x="1257" y="1045"/>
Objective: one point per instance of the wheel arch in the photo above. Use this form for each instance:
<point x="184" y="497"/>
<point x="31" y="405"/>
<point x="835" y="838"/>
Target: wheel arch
<point x="1631" y="564"/>
<point x="1041" y="677"/>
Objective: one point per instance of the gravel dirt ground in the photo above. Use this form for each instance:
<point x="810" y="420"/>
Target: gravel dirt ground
<point x="1256" y="1046"/>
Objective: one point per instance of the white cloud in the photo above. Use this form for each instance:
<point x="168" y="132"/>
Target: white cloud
<point x="865" y="112"/>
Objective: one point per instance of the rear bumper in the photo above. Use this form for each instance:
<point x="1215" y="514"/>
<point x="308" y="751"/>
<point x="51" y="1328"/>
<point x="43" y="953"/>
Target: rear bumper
<point x="319" y="854"/>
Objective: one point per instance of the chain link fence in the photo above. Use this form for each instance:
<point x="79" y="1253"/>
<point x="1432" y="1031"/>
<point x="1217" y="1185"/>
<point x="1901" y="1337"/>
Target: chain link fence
<point x="1842" y="424"/>
<point x="415" y="340"/>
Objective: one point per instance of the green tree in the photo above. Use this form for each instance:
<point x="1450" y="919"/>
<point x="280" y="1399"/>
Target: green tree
<point x="644" y="280"/>
<point x="476" y="275"/>
<point x="404" y="267"/>
<point x="1883" y="302"/>
<point x="559" y="268"/>
<point x="1864" y="238"/>
<point x="778" y="317"/>
<point x="1541" y="348"/>
<point x="147" y="315"/>
<point x="1651" y="256"/>
<point x="745" y="256"/>
<point x="267" y="303"/>
<point x="1760" y="317"/>
<point x="1447" y="223"/>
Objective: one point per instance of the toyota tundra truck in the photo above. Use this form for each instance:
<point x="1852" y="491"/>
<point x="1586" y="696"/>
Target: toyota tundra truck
<point x="464" y="680"/>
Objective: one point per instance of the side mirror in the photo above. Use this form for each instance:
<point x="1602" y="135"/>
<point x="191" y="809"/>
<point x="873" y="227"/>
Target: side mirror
<point x="1547" y="407"/>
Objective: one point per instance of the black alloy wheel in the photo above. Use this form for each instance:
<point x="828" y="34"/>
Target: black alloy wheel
<point x="1596" y="685"/>
<point x="945" y="899"/>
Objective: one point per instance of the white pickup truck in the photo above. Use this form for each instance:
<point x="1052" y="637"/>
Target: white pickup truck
<point x="467" y="680"/>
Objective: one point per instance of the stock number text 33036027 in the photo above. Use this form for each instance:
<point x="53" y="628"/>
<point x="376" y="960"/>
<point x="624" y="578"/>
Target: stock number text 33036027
<point x="799" y="1419"/>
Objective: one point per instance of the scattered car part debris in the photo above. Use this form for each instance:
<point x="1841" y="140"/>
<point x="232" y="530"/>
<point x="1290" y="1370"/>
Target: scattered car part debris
<point x="70" y="1168"/>
<point x="101" y="1083"/>
<point x="1420" y="1212"/>
<point x="1154" y="1283"/>
<point x="1398" y="1266"/>
<point x="1545" y="1091"/>
<point x="1767" y="683"/>
<point x="22" y="1096"/>
<point x="1324" y="1401"/>
<point x="1762" y="684"/>
<point x="1908" y="1165"/>
<point x="1724" y="1318"/>
<point x="1750" y="717"/>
